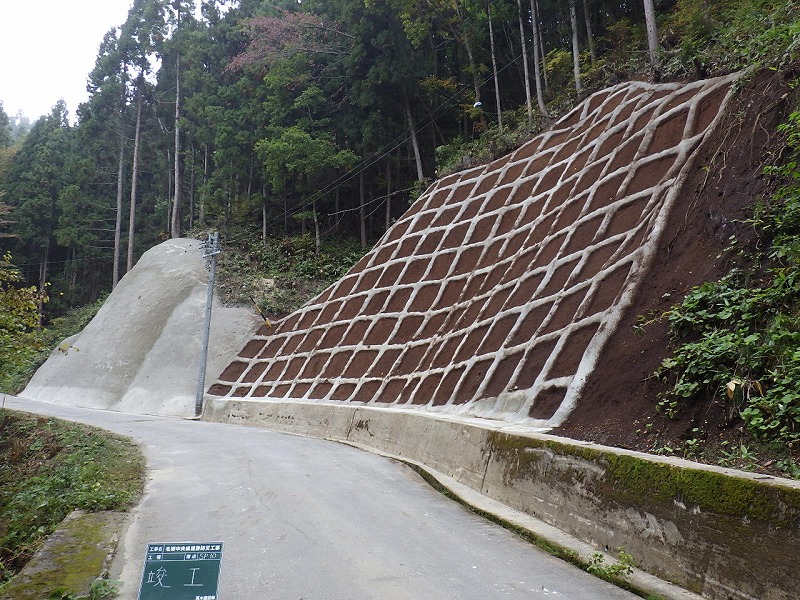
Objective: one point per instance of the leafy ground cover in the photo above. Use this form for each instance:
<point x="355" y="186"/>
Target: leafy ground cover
<point x="737" y="339"/>
<point x="50" y="467"/>
<point x="709" y="37"/>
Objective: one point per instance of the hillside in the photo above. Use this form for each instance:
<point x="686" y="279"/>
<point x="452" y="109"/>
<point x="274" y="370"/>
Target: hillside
<point x="719" y="201"/>
<point x="483" y="301"/>
<point x="319" y="124"/>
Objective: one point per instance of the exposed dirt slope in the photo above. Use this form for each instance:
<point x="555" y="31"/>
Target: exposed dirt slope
<point x="508" y="291"/>
<point x="726" y="180"/>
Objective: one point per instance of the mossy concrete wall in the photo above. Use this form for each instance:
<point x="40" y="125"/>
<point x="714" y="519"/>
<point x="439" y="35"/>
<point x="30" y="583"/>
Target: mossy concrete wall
<point x="71" y="559"/>
<point x="720" y="533"/>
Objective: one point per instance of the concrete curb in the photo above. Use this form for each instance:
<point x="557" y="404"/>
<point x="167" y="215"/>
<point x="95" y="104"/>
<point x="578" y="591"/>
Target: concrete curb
<point x="716" y="533"/>
<point x="539" y="531"/>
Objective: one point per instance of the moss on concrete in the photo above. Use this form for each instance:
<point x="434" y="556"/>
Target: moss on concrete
<point x="549" y="546"/>
<point x="710" y="491"/>
<point x="636" y="481"/>
<point x="71" y="559"/>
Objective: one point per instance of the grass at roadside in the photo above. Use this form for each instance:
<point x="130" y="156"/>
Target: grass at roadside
<point x="50" y="467"/>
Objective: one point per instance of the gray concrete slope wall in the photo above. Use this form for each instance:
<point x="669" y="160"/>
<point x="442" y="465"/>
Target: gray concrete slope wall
<point x="720" y="533"/>
<point x="141" y="352"/>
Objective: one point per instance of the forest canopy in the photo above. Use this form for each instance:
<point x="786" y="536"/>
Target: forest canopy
<point x="276" y="117"/>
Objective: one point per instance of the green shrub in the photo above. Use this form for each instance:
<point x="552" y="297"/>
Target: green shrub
<point x="738" y="339"/>
<point x="51" y="467"/>
<point x="719" y="36"/>
<point x="282" y="273"/>
<point x="612" y="572"/>
<point x="20" y="340"/>
<point x="22" y="351"/>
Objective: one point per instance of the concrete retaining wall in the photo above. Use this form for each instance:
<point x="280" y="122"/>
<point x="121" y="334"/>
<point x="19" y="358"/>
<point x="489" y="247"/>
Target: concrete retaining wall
<point x="720" y="533"/>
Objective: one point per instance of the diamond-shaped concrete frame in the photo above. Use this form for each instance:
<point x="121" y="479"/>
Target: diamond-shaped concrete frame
<point x="495" y="293"/>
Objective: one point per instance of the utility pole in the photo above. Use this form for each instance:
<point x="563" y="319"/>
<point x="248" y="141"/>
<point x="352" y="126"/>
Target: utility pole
<point x="210" y="252"/>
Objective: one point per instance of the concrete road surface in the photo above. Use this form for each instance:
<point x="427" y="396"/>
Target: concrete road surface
<point x="310" y="519"/>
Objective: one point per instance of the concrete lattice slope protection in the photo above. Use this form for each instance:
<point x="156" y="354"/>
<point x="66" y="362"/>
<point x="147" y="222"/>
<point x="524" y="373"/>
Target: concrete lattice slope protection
<point x="495" y="293"/>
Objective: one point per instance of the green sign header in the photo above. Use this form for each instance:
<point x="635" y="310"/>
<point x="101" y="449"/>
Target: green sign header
<point x="181" y="571"/>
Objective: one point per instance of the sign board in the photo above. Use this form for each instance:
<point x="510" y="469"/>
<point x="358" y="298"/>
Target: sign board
<point x="181" y="571"/>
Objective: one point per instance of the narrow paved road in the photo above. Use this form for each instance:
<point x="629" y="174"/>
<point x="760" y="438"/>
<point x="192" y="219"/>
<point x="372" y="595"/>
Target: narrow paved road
<point x="310" y="519"/>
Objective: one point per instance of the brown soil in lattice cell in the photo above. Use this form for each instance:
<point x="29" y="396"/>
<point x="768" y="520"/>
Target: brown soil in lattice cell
<point x="547" y="402"/>
<point x="620" y="398"/>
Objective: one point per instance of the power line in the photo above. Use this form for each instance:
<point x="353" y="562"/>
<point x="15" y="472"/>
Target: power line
<point x="377" y="156"/>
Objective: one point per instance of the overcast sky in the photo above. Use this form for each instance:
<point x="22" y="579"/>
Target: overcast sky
<point x="48" y="47"/>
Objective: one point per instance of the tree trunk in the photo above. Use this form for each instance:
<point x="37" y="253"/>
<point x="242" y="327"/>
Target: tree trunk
<point x="250" y="178"/>
<point x="191" y="190"/>
<point x="317" y="233"/>
<point x="43" y="282"/>
<point x="576" y="51"/>
<point x="388" y="191"/>
<point x="285" y="198"/>
<point x="652" y="33"/>
<point x="362" y="217"/>
<point x="202" y="216"/>
<point x="537" y="68"/>
<point x="434" y="55"/>
<point x="435" y="129"/>
<point x="528" y="103"/>
<point x="73" y="281"/>
<point x="170" y="188"/>
<point x="473" y="67"/>
<point x="336" y="204"/>
<point x="134" y="177"/>
<point x="264" y="215"/>
<point x="494" y="66"/>
<point x="175" y="226"/>
<point x="118" y="217"/>
<point x="589" y="34"/>
<point x="538" y="34"/>
<point x="414" y="140"/>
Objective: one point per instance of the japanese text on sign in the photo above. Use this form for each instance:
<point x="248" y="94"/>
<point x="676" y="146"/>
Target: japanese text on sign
<point x="181" y="571"/>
